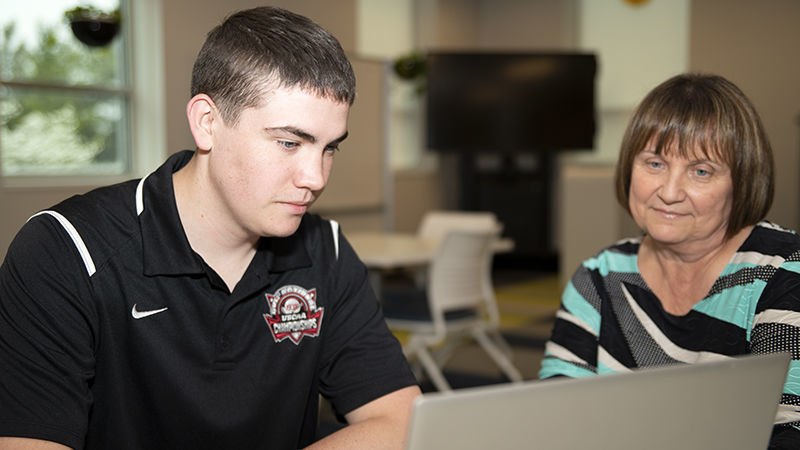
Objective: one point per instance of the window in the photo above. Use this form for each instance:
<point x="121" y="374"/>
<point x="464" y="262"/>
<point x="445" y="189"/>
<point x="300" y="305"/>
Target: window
<point x="67" y="89"/>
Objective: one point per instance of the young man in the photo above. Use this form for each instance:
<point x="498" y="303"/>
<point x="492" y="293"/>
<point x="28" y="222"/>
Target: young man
<point x="202" y="307"/>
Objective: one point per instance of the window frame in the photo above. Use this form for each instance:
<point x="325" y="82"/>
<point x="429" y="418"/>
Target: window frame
<point x="146" y="125"/>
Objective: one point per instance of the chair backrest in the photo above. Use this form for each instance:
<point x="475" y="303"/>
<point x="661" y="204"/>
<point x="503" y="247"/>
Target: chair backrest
<point x="459" y="276"/>
<point x="436" y="223"/>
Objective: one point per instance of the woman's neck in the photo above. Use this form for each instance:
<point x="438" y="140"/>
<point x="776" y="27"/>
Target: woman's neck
<point x="681" y="275"/>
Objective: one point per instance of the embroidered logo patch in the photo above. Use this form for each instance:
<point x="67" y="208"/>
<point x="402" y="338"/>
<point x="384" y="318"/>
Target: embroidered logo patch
<point x="293" y="313"/>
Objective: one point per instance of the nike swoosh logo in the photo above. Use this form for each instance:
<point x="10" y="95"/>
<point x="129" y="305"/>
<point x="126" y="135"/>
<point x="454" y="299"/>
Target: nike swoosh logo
<point x="140" y="314"/>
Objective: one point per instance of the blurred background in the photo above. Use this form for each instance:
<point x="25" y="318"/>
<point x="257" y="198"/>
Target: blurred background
<point x="77" y="115"/>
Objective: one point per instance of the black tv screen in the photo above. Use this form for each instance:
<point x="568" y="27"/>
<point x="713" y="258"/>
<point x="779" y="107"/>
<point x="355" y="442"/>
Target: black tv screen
<point x="510" y="102"/>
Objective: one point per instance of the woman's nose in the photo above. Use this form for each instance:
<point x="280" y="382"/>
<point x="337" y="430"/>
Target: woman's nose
<point x="672" y="190"/>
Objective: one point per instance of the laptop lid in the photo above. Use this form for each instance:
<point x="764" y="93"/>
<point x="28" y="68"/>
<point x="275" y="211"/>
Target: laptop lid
<point x="728" y="404"/>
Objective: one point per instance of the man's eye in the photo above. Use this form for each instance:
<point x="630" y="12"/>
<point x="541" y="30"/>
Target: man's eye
<point x="331" y="149"/>
<point x="288" y="145"/>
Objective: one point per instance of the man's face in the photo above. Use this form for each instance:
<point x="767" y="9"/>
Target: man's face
<point x="270" y="166"/>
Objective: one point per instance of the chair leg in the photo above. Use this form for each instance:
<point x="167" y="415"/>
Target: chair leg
<point x="497" y="355"/>
<point x="435" y="374"/>
<point x="443" y="354"/>
<point x="501" y="343"/>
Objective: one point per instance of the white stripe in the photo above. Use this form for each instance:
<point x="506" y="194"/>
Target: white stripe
<point x="778" y="316"/>
<point x="335" y="229"/>
<point x="551" y="348"/>
<point x="757" y="258"/>
<point x="771" y="225"/>
<point x="787" y="414"/>
<point x="564" y="315"/>
<point x="76" y="239"/>
<point x="669" y="347"/>
<point x="605" y="358"/>
<point x="629" y="240"/>
<point x="139" y="199"/>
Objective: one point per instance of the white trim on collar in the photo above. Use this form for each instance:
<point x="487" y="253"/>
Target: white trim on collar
<point x="139" y="199"/>
<point x="335" y="230"/>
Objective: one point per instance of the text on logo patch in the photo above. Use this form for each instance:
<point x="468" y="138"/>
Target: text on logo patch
<point x="293" y="313"/>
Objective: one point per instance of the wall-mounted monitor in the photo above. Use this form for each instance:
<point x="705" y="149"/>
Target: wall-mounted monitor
<point x="510" y="102"/>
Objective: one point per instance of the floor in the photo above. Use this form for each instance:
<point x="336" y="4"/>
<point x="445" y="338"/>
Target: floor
<point x="527" y="300"/>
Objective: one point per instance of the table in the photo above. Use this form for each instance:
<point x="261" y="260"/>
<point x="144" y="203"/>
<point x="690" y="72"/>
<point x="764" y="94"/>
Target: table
<point x="380" y="250"/>
<point x="387" y="250"/>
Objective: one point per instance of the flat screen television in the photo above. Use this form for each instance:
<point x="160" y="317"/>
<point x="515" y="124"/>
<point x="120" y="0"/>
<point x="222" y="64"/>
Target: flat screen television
<point x="510" y="102"/>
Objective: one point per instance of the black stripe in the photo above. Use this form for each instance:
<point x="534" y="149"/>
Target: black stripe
<point x="575" y="339"/>
<point x="694" y="331"/>
<point x="782" y="292"/>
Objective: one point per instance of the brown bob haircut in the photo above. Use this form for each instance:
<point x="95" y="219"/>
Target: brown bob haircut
<point x="263" y="48"/>
<point x="707" y="115"/>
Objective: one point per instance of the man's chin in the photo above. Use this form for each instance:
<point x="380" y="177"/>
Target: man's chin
<point x="286" y="229"/>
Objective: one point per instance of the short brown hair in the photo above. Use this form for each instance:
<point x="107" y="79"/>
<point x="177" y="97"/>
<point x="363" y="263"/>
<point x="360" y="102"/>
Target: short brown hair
<point x="264" y="47"/>
<point x="709" y="114"/>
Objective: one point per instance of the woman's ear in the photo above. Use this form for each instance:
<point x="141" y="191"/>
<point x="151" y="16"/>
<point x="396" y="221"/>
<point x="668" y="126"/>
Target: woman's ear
<point x="201" y="112"/>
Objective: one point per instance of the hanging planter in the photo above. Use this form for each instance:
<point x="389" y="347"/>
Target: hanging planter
<point x="92" y="26"/>
<point x="411" y="68"/>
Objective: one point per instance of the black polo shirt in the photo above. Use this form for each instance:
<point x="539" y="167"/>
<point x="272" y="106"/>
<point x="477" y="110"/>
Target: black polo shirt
<point x="115" y="334"/>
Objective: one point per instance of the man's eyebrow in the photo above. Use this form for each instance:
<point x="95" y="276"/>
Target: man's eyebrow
<point x="295" y="131"/>
<point x="305" y="135"/>
<point x="340" y="138"/>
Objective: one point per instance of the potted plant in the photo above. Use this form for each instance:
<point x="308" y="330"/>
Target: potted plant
<point x="411" y="67"/>
<point x="92" y="26"/>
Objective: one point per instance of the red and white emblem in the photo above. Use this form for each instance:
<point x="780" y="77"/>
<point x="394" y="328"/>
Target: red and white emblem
<point x="293" y="313"/>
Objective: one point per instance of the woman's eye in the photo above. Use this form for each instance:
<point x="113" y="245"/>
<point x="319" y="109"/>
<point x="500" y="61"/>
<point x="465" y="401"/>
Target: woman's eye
<point x="702" y="172"/>
<point x="655" y="164"/>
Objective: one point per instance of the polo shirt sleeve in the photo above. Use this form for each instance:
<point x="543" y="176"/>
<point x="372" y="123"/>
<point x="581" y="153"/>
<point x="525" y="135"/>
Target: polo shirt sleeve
<point x="46" y="336"/>
<point x="362" y="360"/>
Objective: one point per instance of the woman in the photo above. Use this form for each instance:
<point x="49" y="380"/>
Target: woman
<point x="708" y="278"/>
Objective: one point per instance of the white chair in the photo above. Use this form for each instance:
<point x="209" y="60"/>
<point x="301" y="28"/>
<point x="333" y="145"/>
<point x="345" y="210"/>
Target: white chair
<point x="457" y="303"/>
<point x="436" y="223"/>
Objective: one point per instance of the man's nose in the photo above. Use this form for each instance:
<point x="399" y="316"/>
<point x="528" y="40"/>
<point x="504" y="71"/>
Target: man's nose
<point x="311" y="171"/>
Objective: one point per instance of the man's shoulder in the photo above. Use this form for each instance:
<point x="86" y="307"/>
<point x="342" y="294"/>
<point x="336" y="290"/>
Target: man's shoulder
<point x="94" y="224"/>
<point x="116" y="199"/>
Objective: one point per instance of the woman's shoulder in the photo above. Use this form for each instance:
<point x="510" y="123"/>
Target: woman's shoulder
<point x="620" y="256"/>
<point x="771" y="239"/>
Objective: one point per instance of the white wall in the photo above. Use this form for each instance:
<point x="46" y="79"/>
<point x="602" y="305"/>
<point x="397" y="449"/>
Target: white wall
<point x="638" y="46"/>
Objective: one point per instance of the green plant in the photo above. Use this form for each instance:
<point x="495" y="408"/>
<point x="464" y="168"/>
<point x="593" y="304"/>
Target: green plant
<point x="92" y="14"/>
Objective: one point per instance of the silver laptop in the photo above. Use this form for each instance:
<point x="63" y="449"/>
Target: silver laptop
<point x="728" y="404"/>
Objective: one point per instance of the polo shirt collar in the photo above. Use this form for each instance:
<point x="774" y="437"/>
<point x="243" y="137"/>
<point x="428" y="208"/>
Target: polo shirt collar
<point x="165" y="246"/>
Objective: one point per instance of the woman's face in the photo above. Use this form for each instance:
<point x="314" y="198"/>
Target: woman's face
<point x="679" y="201"/>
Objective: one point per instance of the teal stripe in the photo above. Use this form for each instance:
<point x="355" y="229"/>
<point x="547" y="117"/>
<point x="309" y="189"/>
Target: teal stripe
<point x="792" y="385"/>
<point x="603" y="369"/>
<point x="552" y="366"/>
<point x="735" y="305"/>
<point x="621" y="262"/>
<point x="576" y="305"/>
<point x="793" y="266"/>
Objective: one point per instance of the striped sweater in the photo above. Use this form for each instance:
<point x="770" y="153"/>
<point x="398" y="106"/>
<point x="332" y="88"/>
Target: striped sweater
<point x="610" y="321"/>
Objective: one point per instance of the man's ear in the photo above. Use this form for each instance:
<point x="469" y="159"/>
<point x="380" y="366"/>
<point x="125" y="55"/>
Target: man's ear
<point x="201" y="112"/>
